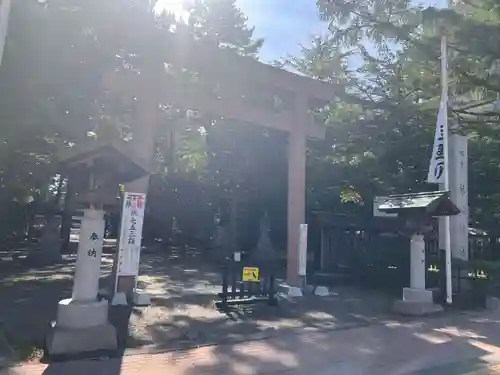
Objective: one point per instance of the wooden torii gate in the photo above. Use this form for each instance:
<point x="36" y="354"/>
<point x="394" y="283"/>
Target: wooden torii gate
<point x="232" y="79"/>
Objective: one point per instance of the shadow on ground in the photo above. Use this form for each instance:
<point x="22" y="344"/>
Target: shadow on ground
<point x="437" y="346"/>
<point x="183" y="287"/>
<point x="455" y="345"/>
<point x="29" y="304"/>
<point x="298" y="336"/>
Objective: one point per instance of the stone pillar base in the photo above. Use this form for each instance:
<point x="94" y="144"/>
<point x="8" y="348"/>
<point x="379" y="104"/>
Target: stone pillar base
<point x="81" y="314"/>
<point x="289" y="290"/>
<point x="81" y="326"/>
<point x="321" y="291"/>
<point x="416" y="302"/>
<point x="492" y="303"/>
<point x="119" y="299"/>
<point x="140" y="298"/>
<point x="62" y="340"/>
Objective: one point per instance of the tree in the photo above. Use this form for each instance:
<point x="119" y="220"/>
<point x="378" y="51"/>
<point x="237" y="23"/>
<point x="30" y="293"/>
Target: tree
<point x="59" y="76"/>
<point x="203" y="162"/>
<point x="380" y="127"/>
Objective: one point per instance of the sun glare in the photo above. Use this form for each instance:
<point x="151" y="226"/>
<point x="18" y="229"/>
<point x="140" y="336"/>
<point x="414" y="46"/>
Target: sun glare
<point x="171" y="6"/>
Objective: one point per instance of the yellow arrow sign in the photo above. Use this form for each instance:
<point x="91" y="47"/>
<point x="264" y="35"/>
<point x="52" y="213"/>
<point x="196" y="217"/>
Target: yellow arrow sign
<point x="250" y="274"/>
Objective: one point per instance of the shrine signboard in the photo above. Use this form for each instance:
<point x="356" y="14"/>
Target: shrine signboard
<point x="129" y="246"/>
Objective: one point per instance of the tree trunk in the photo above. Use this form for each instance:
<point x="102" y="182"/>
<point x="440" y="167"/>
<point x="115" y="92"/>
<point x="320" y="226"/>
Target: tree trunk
<point x="67" y="216"/>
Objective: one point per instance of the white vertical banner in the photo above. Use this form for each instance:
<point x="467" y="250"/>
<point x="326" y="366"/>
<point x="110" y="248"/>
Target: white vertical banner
<point x="437" y="164"/>
<point x="129" y="246"/>
<point x="459" y="195"/>
<point x="302" y="259"/>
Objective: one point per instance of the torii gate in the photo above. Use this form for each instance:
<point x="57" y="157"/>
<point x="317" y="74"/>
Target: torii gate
<point x="235" y="77"/>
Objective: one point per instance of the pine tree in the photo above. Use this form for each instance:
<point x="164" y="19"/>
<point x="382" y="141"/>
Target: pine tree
<point x="382" y="124"/>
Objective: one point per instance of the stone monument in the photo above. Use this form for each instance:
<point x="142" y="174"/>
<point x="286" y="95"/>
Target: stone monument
<point x="417" y="209"/>
<point x="48" y="249"/>
<point x="265" y="255"/>
<point x="264" y="252"/>
<point x="82" y="322"/>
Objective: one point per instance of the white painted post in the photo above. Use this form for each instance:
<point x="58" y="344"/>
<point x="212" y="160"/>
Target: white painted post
<point x="417" y="262"/>
<point x="302" y="258"/>
<point x="88" y="260"/>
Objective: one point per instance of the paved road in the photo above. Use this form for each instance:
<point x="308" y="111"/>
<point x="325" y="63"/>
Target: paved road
<point x="456" y="345"/>
<point x="467" y="367"/>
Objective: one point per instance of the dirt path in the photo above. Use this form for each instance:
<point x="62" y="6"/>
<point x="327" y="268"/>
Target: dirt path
<point x="182" y="314"/>
<point x="183" y="288"/>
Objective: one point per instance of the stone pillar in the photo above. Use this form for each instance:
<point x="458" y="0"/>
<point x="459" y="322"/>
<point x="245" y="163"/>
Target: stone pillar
<point x="82" y="321"/>
<point x="88" y="259"/>
<point x="417" y="262"/>
<point x="416" y="299"/>
<point x="302" y="257"/>
<point x="296" y="200"/>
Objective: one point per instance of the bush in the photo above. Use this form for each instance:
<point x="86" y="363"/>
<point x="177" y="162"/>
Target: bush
<point x="484" y="276"/>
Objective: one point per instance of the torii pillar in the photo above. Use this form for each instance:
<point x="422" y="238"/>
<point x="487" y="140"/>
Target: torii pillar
<point x="296" y="206"/>
<point x="143" y="146"/>
<point x="237" y="78"/>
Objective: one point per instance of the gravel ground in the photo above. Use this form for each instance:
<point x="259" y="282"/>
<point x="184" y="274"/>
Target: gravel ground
<point x="183" y="288"/>
<point x="182" y="314"/>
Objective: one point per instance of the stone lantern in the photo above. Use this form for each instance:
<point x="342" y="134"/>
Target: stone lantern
<point x="264" y="254"/>
<point x="82" y="321"/>
<point x="417" y="210"/>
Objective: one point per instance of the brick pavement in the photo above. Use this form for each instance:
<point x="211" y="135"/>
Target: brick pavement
<point x="461" y="345"/>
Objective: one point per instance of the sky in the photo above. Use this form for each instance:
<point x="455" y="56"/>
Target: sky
<point x="286" y="24"/>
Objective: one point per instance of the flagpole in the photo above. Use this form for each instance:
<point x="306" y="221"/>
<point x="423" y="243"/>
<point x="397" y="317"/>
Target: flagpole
<point x="444" y="104"/>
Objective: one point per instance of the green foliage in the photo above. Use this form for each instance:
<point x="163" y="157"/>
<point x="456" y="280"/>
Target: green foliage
<point x="54" y="73"/>
<point x="384" y="56"/>
<point x="381" y="56"/>
<point x="483" y="275"/>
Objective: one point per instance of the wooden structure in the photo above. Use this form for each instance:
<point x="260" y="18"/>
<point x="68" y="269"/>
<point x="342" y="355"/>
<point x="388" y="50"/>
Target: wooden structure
<point x="252" y="280"/>
<point x="237" y="291"/>
<point x="230" y="86"/>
